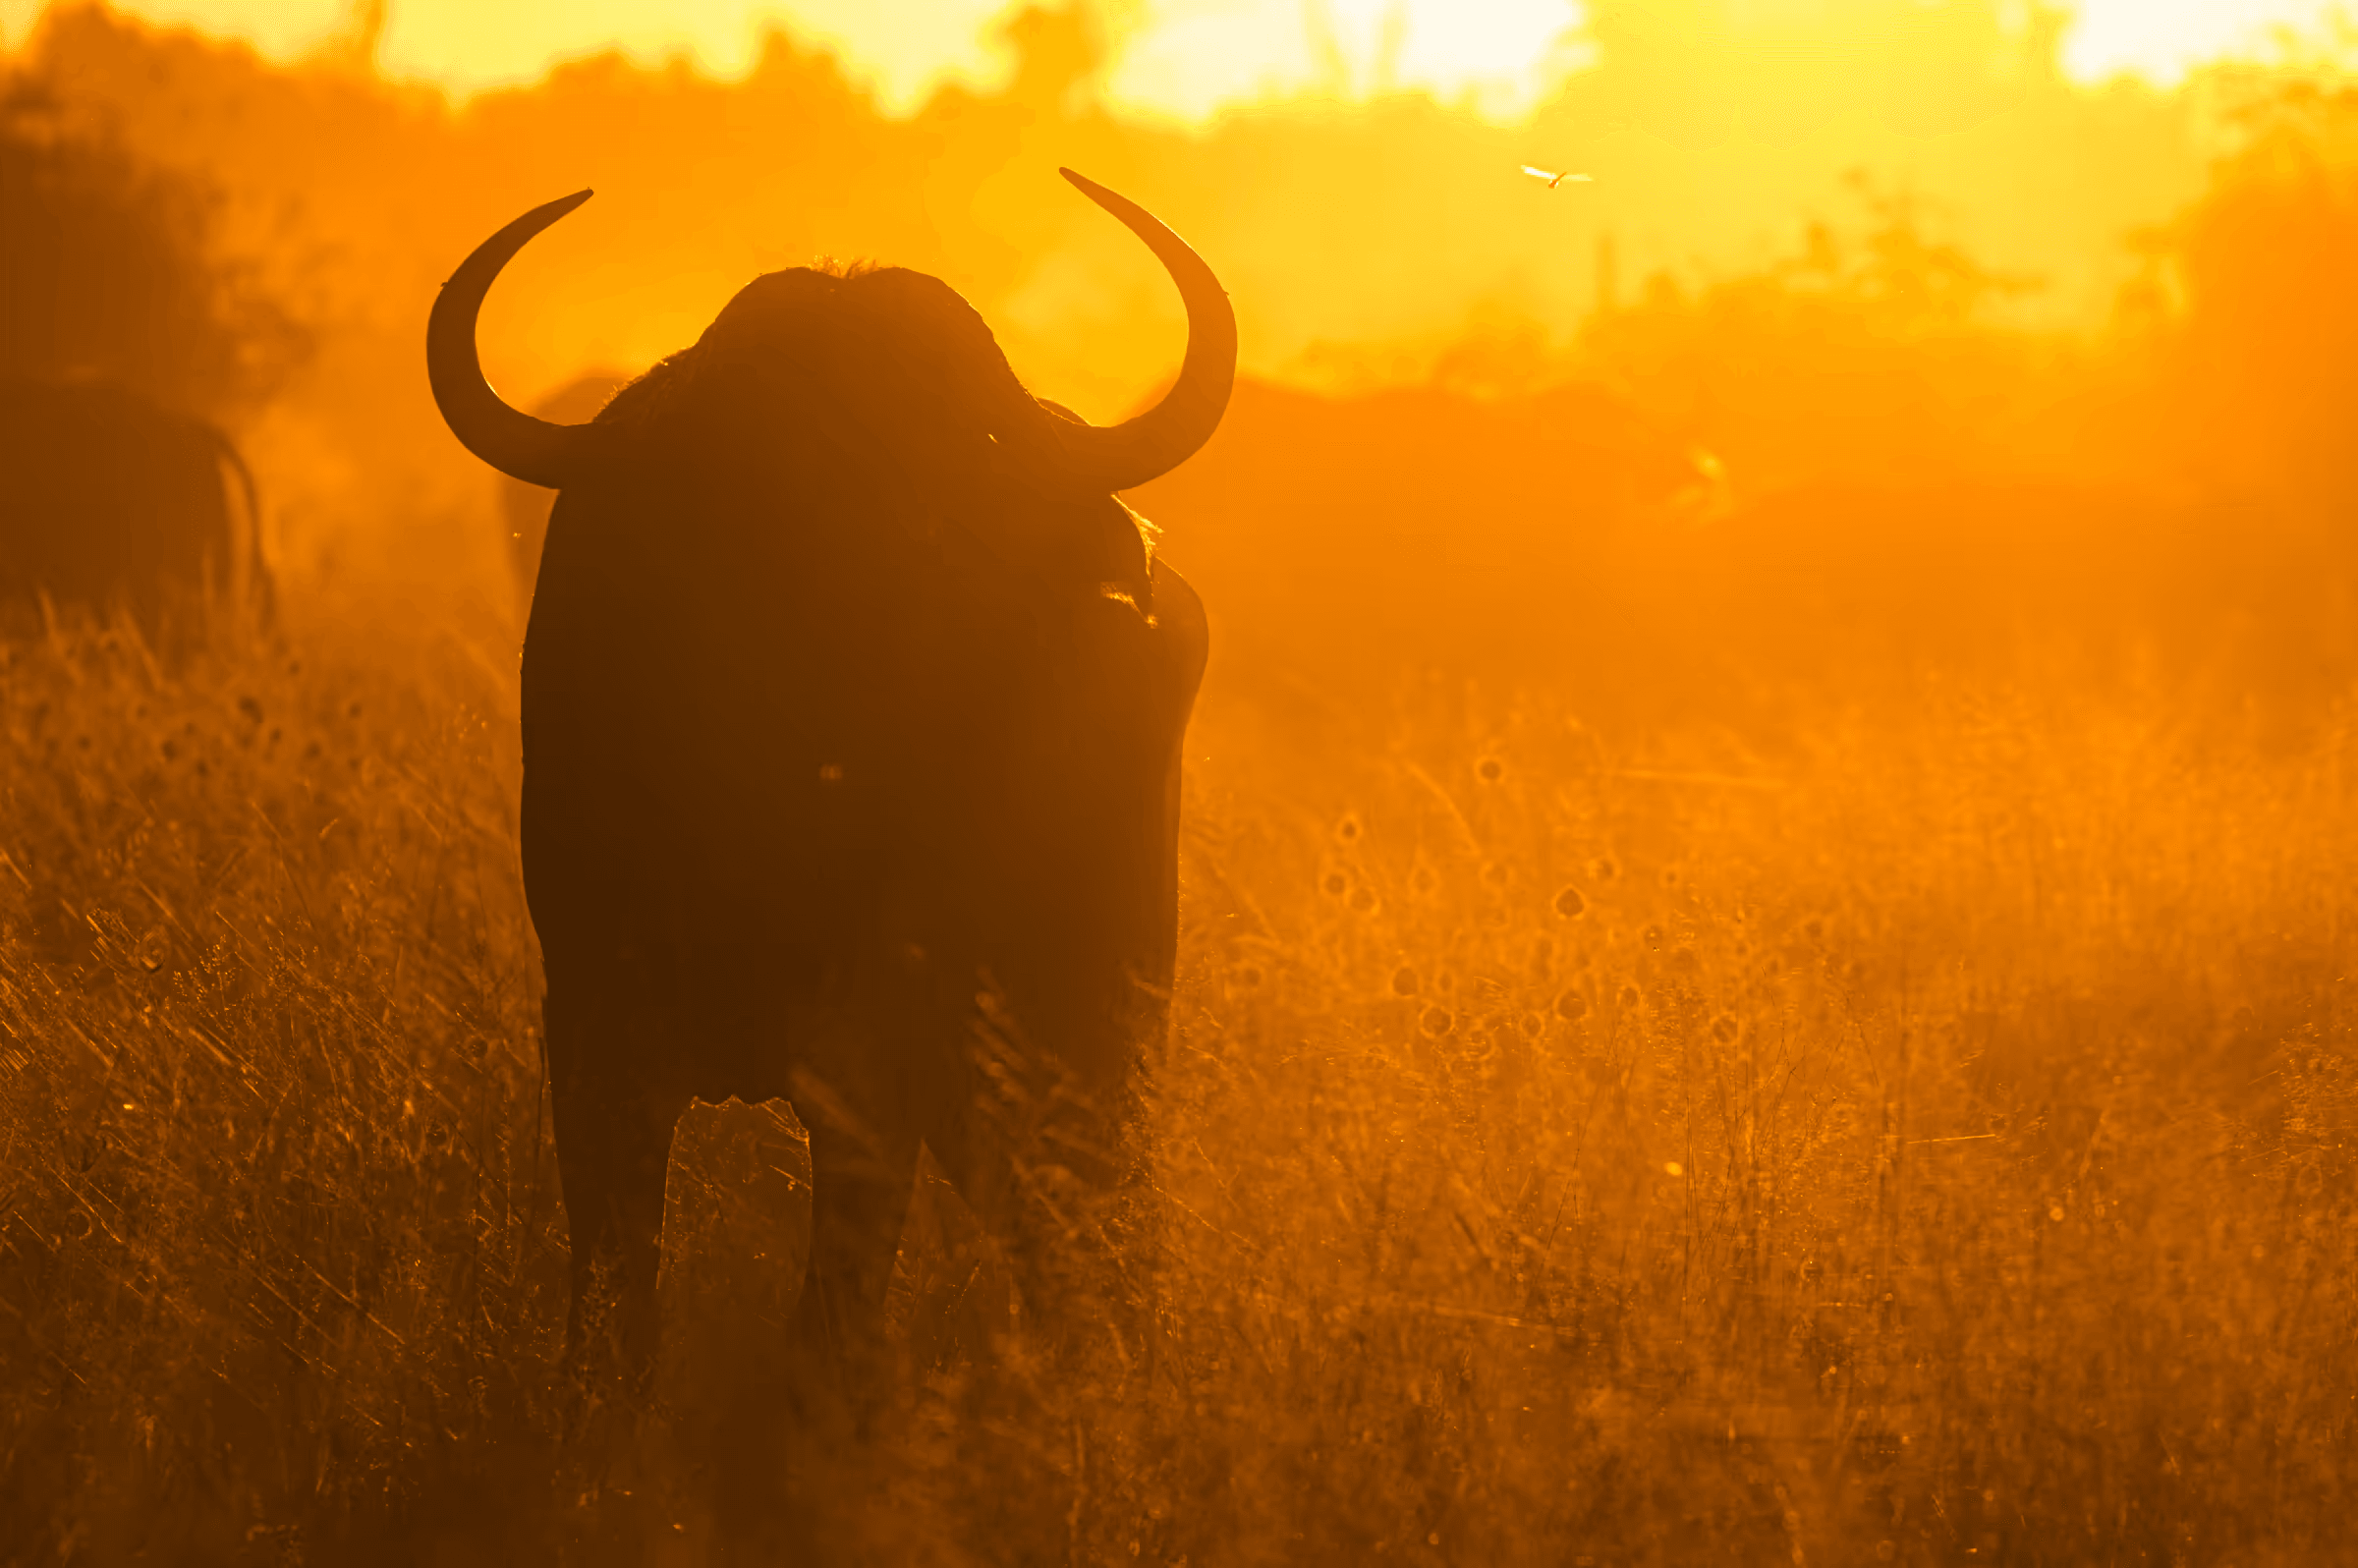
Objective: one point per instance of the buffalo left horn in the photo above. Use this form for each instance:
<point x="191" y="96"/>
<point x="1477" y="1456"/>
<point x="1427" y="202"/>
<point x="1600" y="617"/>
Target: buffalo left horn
<point x="1154" y="442"/>
<point x="509" y="440"/>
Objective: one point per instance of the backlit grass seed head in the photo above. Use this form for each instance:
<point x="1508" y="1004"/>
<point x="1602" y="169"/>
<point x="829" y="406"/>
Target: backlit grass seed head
<point x="1570" y="905"/>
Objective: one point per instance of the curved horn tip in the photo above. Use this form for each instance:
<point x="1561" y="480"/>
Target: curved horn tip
<point x="516" y="443"/>
<point x="1111" y="199"/>
<point x="1162" y="437"/>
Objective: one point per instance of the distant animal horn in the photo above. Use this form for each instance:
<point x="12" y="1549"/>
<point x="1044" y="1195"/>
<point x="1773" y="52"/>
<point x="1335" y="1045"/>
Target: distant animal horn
<point x="1162" y="437"/>
<point x="509" y="440"/>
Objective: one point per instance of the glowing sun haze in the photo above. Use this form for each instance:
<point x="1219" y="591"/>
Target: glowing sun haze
<point x="1176" y="57"/>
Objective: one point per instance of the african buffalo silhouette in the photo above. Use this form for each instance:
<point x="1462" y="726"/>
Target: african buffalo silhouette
<point x="112" y="502"/>
<point x="524" y="508"/>
<point x="852" y="704"/>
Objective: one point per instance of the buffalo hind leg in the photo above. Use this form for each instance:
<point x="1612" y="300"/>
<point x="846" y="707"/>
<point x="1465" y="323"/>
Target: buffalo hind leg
<point x="613" y="1138"/>
<point x="613" y="1142"/>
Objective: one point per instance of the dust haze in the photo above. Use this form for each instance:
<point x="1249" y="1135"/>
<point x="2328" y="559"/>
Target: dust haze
<point x="1763" y="855"/>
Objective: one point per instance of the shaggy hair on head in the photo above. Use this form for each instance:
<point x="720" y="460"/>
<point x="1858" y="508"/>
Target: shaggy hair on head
<point x="900" y="352"/>
<point x="892" y="374"/>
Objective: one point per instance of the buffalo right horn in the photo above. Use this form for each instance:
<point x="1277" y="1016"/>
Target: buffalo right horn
<point x="1156" y="441"/>
<point x="509" y="440"/>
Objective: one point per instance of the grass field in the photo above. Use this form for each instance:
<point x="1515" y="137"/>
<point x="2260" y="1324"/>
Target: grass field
<point x="1933" y="1142"/>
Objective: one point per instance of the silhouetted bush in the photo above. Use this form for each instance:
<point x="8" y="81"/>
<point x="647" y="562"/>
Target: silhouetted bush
<point x="108" y="271"/>
<point x="2253" y="283"/>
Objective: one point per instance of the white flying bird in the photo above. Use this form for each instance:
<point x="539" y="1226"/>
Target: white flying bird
<point x="1553" y="179"/>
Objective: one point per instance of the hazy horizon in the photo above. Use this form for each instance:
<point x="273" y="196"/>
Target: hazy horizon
<point x="1184" y="60"/>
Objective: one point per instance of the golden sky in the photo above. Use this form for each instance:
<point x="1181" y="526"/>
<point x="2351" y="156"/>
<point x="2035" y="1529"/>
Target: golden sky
<point x="1177" y="57"/>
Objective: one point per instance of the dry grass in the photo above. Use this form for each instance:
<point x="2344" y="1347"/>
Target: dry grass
<point x="1934" y="1145"/>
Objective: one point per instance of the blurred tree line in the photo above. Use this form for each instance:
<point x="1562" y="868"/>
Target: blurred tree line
<point x="2251" y="300"/>
<point x="110" y="270"/>
<point x="1879" y="346"/>
<point x="233" y="236"/>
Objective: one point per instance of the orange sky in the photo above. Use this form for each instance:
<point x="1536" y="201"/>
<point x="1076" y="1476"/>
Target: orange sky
<point x="1178" y="57"/>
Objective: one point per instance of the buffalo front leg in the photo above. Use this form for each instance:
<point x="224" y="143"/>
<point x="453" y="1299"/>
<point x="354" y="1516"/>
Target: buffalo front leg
<point x="794" y="1467"/>
<point x="1037" y="1168"/>
<point x="613" y="1138"/>
<point x="860" y="1185"/>
<point x="1038" y="1155"/>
